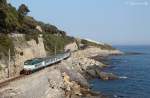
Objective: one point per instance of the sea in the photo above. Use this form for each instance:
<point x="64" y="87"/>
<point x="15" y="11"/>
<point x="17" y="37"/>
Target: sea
<point x="134" y="73"/>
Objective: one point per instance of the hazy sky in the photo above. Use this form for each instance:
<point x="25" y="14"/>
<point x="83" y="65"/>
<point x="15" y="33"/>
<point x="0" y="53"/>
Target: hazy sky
<point x="111" y="21"/>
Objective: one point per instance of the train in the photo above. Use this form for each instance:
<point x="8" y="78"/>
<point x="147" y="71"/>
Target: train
<point x="38" y="63"/>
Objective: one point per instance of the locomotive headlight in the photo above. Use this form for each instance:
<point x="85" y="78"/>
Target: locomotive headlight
<point x="28" y="67"/>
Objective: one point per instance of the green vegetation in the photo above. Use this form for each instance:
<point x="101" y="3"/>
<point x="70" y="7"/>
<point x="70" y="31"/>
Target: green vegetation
<point x="31" y="36"/>
<point x="89" y="43"/>
<point x="0" y="67"/>
<point x="8" y="18"/>
<point x="50" y="29"/>
<point x="23" y="10"/>
<point x="14" y="20"/>
<point x="6" y="44"/>
<point x="54" y="43"/>
<point x="3" y="1"/>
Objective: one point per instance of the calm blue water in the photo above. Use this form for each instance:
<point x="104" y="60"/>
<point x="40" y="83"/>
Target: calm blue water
<point x="135" y="67"/>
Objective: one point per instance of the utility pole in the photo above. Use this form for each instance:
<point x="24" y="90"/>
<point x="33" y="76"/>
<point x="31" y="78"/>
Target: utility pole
<point x="9" y="63"/>
<point x="55" y="46"/>
<point x="55" y="49"/>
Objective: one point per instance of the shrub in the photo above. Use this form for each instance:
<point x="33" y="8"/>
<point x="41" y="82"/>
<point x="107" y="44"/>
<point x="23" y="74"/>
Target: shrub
<point x="31" y="36"/>
<point x="0" y="67"/>
<point x="53" y="42"/>
<point x="6" y="44"/>
<point x="8" y="18"/>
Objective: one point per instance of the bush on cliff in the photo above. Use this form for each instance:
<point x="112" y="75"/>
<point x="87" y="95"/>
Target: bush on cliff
<point x="31" y="36"/>
<point x="55" y="43"/>
<point x="12" y="20"/>
<point x="6" y="44"/>
<point x="17" y="21"/>
<point x="8" y="18"/>
<point x="0" y="67"/>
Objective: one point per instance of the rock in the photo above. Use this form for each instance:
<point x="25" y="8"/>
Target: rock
<point x="106" y="76"/>
<point x="74" y="75"/>
<point x="54" y="94"/>
<point x="92" y="73"/>
<point x="94" y="51"/>
<point x="72" y="47"/>
<point x="71" y="86"/>
<point x="74" y="82"/>
<point x="55" y="79"/>
<point x="76" y="91"/>
<point x="56" y="85"/>
<point x="133" y="53"/>
<point x="10" y="93"/>
<point x="39" y="28"/>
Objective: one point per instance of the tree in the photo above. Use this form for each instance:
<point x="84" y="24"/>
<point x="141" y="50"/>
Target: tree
<point x="3" y="1"/>
<point x="63" y="33"/>
<point x="23" y="10"/>
<point x="8" y="17"/>
<point x="2" y="21"/>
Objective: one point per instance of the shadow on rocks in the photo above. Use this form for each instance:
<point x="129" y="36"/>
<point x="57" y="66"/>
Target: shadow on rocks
<point x="96" y="72"/>
<point x="75" y="76"/>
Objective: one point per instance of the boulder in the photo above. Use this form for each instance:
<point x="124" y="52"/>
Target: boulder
<point x="106" y="76"/>
<point x="92" y="73"/>
<point x="74" y="75"/>
<point x="76" y="91"/>
<point x="72" y="47"/>
<point x="56" y="85"/>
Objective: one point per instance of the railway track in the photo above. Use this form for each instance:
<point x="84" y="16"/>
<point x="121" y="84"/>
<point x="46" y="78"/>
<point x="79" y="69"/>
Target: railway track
<point x="22" y="75"/>
<point x="5" y="83"/>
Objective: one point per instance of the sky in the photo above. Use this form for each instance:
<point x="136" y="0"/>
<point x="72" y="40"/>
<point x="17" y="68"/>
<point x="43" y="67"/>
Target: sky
<point x="117" y="22"/>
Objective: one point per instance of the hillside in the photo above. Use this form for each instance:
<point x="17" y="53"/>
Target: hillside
<point x="22" y="37"/>
<point x="87" y="42"/>
<point x="17" y="21"/>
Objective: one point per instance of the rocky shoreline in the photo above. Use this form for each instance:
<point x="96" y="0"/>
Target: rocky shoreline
<point x="68" y="79"/>
<point x="80" y="68"/>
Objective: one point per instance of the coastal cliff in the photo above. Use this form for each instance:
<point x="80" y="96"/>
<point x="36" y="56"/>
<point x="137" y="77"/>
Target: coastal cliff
<point x="23" y="50"/>
<point x="23" y="38"/>
<point x="68" y="79"/>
